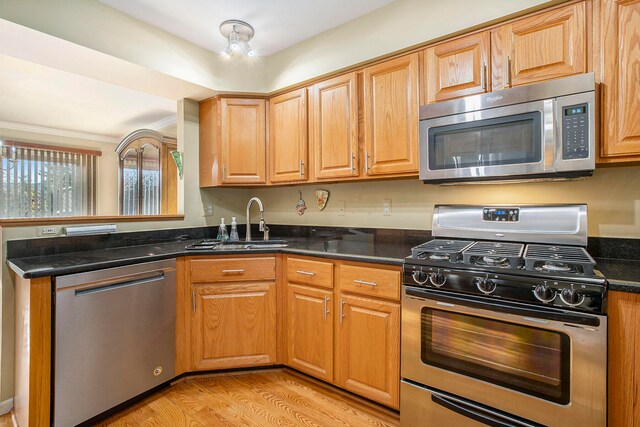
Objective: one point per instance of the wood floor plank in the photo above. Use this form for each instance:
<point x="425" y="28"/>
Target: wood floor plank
<point x="274" y="398"/>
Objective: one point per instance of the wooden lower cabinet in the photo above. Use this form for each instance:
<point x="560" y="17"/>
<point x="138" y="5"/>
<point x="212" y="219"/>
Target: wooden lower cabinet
<point x="624" y="360"/>
<point x="234" y="325"/>
<point x="310" y="331"/>
<point x="368" y="348"/>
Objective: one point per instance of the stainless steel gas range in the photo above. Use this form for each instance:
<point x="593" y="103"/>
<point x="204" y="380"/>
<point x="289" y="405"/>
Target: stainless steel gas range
<point x="504" y="321"/>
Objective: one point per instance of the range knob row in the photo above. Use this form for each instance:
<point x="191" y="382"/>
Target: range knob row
<point x="569" y="296"/>
<point x="436" y="279"/>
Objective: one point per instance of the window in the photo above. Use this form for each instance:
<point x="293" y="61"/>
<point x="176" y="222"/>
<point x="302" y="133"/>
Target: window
<point x="147" y="176"/>
<point x="39" y="181"/>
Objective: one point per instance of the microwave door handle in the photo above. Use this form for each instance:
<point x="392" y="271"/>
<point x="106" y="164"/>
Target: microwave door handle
<point x="521" y="312"/>
<point x="476" y="413"/>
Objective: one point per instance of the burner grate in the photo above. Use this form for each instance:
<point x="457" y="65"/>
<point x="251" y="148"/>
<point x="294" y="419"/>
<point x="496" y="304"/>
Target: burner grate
<point x="553" y="258"/>
<point x="494" y="254"/>
<point x="441" y="249"/>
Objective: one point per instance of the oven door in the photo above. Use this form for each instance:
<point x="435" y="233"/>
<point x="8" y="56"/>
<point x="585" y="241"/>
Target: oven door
<point x="509" y="141"/>
<point x="542" y="364"/>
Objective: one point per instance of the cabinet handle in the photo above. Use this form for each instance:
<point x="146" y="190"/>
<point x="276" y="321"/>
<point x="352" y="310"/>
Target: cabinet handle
<point x="301" y="168"/>
<point x="326" y="307"/>
<point x="193" y="300"/>
<point x="483" y="77"/>
<point x="362" y="282"/>
<point x="366" y="160"/>
<point x="306" y="273"/>
<point x="224" y="171"/>
<point x="507" y="77"/>
<point x="353" y="169"/>
<point x="233" y="271"/>
<point x="342" y="303"/>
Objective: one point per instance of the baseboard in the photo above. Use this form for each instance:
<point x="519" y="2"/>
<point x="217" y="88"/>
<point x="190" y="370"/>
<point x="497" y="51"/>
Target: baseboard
<point x="6" y="406"/>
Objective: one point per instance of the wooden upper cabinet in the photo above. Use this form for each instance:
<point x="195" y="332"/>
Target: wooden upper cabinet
<point x="457" y="68"/>
<point x="334" y="127"/>
<point x="243" y="141"/>
<point x="288" y="137"/>
<point x="620" y="52"/>
<point x="390" y="107"/>
<point x="232" y="142"/>
<point x="544" y="46"/>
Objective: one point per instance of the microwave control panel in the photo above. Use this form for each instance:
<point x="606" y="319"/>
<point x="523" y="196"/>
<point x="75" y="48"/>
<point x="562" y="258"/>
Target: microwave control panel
<point x="575" y="132"/>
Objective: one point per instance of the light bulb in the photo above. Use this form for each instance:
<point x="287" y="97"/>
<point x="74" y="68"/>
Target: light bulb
<point x="234" y="40"/>
<point x="251" y="52"/>
<point x="247" y="48"/>
<point x="226" y="52"/>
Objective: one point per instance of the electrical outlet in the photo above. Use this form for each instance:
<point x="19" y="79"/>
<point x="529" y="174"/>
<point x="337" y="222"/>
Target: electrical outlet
<point x="342" y="207"/>
<point x="208" y="209"/>
<point x="48" y="231"/>
<point x="386" y="207"/>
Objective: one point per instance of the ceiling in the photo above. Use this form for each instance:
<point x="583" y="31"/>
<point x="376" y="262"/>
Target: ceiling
<point x="40" y="96"/>
<point x="278" y="23"/>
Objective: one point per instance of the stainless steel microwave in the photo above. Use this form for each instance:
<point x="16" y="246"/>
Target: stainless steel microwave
<point x="540" y="131"/>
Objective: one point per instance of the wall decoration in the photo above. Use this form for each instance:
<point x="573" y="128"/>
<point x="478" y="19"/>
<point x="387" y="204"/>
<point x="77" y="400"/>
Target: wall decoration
<point x="301" y="205"/>
<point x="177" y="157"/>
<point x="322" y="196"/>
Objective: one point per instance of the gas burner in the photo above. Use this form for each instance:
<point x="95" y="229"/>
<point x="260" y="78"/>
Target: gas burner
<point x="558" y="259"/>
<point x="501" y="262"/>
<point x="494" y="254"/>
<point x="556" y="267"/>
<point x="444" y="250"/>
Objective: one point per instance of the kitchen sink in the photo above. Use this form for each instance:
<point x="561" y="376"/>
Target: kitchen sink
<point x="255" y="244"/>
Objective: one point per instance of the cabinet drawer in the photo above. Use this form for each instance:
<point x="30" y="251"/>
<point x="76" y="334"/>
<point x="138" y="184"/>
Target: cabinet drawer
<point x="232" y="269"/>
<point x="370" y="281"/>
<point x="316" y="273"/>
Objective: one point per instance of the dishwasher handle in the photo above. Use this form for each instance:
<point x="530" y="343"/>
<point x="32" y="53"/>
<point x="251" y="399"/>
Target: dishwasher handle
<point x="119" y="285"/>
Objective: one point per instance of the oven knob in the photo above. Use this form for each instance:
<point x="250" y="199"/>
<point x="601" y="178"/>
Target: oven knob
<point x="485" y="286"/>
<point x="437" y="279"/>
<point x="544" y="293"/>
<point x="420" y="277"/>
<point x="571" y="297"/>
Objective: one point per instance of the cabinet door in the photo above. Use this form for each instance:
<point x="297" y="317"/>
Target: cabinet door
<point x="391" y="116"/>
<point x="624" y="360"/>
<point x="620" y="24"/>
<point x="310" y="331"/>
<point x="334" y="130"/>
<point x="243" y="141"/>
<point x="544" y="46"/>
<point x="288" y="137"/>
<point x="368" y="354"/>
<point x="234" y="325"/>
<point x="457" y="68"/>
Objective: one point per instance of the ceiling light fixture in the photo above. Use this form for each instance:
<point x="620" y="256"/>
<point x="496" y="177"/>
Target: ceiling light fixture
<point x="238" y="34"/>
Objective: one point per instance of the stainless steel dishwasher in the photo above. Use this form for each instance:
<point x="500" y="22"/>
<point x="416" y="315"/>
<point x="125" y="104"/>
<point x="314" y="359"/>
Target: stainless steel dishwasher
<point x="114" y="337"/>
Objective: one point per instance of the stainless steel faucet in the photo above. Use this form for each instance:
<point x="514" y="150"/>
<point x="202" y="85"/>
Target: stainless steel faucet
<point x="261" y="227"/>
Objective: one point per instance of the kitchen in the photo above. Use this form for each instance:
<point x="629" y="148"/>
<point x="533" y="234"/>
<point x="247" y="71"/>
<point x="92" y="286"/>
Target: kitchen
<point x="610" y="194"/>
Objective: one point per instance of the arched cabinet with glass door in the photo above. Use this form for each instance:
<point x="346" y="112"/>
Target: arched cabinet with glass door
<point x="147" y="175"/>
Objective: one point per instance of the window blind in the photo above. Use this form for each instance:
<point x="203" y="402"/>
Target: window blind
<point x="37" y="182"/>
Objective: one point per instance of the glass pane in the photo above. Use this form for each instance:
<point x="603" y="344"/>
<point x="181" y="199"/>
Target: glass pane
<point x="502" y="141"/>
<point x="150" y="180"/>
<point x="130" y="183"/>
<point x="531" y="360"/>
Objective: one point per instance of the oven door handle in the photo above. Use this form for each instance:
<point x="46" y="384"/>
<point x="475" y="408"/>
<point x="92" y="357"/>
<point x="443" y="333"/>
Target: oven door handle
<point x="477" y="413"/>
<point x="539" y="313"/>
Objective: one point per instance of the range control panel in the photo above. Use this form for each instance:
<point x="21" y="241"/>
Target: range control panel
<point x="575" y="132"/>
<point x="501" y="214"/>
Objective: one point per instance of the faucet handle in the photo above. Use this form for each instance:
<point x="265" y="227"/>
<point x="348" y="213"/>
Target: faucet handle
<point x="266" y="233"/>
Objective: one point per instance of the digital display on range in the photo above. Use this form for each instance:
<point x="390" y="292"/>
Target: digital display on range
<point x="501" y="214"/>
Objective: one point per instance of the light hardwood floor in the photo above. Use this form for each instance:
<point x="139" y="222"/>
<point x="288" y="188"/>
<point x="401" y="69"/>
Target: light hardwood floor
<point x="274" y="398"/>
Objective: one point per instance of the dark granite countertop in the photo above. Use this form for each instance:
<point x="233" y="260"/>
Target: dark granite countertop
<point x="360" y="248"/>
<point x="622" y="274"/>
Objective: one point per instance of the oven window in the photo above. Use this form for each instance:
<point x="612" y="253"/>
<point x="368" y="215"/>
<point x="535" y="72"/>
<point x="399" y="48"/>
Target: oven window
<point x="530" y="360"/>
<point x="492" y="142"/>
